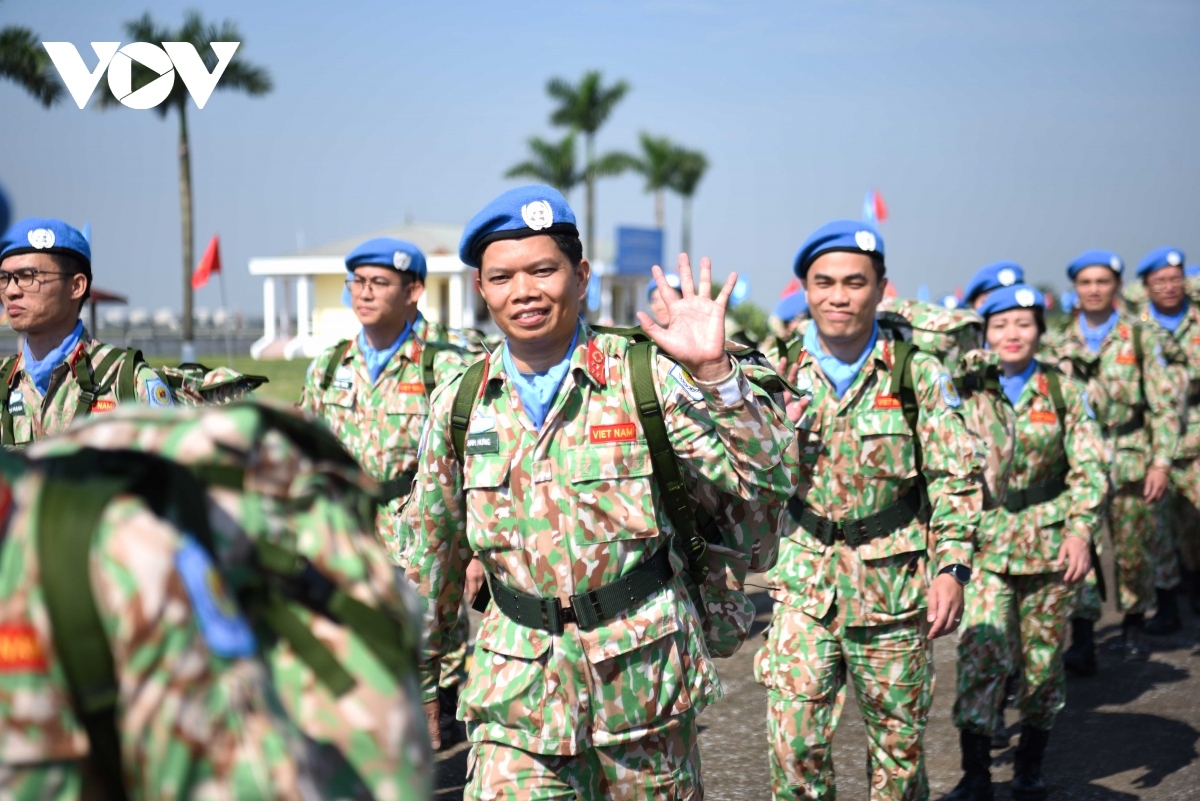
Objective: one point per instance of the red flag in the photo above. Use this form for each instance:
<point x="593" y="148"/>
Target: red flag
<point x="210" y="263"/>
<point x="881" y="210"/>
<point x="792" y="286"/>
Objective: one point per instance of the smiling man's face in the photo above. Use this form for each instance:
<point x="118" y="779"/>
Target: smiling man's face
<point x="532" y="290"/>
<point x="843" y="293"/>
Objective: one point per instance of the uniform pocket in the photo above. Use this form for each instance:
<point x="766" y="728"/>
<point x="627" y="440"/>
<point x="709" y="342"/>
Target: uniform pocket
<point x="493" y="524"/>
<point x="793" y="663"/>
<point x="885" y="445"/>
<point x="342" y="398"/>
<point x="613" y="485"/>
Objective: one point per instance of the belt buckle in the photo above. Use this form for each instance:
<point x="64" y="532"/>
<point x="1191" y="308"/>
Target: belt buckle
<point x="854" y="532"/>
<point x="826" y="531"/>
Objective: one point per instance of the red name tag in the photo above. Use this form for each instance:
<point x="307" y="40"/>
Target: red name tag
<point x="621" y="432"/>
<point x="19" y="649"/>
<point x="1126" y="358"/>
<point x="104" y="405"/>
<point x="1196" y="340"/>
<point x="1043" y="417"/>
<point x="887" y="402"/>
<point x="412" y="387"/>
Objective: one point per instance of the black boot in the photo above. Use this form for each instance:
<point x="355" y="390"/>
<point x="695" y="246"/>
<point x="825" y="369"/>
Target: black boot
<point x="1080" y="658"/>
<point x="976" y="784"/>
<point x="1135" y="647"/>
<point x="1166" y="617"/>
<point x="454" y="731"/>
<point x="1027" y="783"/>
<point x="1194" y="597"/>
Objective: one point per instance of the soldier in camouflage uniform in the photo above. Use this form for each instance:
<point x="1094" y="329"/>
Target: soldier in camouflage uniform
<point x="196" y="711"/>
<point x="288" y="503"/>
<point x="570" y="695"/>
<point x="886" y="515"/>
<point x="62" y="374"/>
<point x="996" y="275"/>
<point x="1178" y="529"/>
<point x="1135" y="377"/>
<point x="1029" y="551"/>
<point x="372" y="391"/>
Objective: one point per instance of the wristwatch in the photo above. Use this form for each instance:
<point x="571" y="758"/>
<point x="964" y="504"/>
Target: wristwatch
<point x="961" y="573"/>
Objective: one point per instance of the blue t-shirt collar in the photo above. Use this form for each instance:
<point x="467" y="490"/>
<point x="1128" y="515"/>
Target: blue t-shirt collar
<point x="40" y="371"/>
<point x="377" y="360"/>
<point x="1171" y="322"/>
<point x="839" y="373"/>
<point x="1094" y="337"/>
<point x="537" y="390"/>
<point x="1014" y="385"/>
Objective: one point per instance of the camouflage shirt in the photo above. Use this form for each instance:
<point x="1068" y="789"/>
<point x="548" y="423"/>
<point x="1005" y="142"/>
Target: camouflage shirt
<point x="36" y="417"/>
<point x="857" y="457"/>
<point x="380" y="422"/>
<point x="1121" y="394"/>
<point x="568" y="509"/>
<point x="1046" y="447"/>
<point x="1188" y="337"/>
<point x="191" y="724"/>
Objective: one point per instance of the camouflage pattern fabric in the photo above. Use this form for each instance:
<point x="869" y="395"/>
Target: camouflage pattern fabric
<point x="662" y="767"/>
<point x="203" y="387"/>
<point x="1000" y="611"/>
<point x="568" y="509"/>
<point x="1183" y="513"/>
<point x="990" y="422"/>
<point x="946" y="333"/>
<point x="804" y="667"/>
<point x="36" y="417"/>
<point x="370" y="741"/>
<point x="380" y="422"/>
<point x="857" y="610"/>
<point x="1119" y="392"/>
<point x="191" y="724"/>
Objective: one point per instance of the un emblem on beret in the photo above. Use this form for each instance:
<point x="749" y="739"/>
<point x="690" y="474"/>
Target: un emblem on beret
<point x="1115" y="263"/>
<point x="1025" y="297"/>
<point x="41" y="238"/>
<point x="401" y="261"/>
<point x="1007" y="277"/>
<point x="1174" y="259"/>
<point x="865" y="240"/>
<point x="537" y="215"/>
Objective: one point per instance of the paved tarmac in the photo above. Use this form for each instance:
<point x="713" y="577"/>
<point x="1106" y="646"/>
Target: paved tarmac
<point x="1129" y="733"/>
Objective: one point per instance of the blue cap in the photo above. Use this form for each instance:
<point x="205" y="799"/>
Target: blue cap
<point x="1159" y="258"/>
<point x="852" y="236"/>
<point x="950" y="301"/>
<point x="385" y="251"/>
<point x="995" y="275"/>
<point x="1017" y="296"/>
<point x="518" y="213"/>
<point x="46" y="235"/>
<point x="791" y="306"/>
<point x="672" y="281"/>
<point x="1096" y="258"/>
<point x="1069" y="300"/>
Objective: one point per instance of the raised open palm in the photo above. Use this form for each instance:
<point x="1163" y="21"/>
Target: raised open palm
<point x="694" y="334"/>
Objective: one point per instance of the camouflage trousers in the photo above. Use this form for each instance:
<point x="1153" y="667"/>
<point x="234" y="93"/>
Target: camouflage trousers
<point x="1006" y="618"/>
<point x="1131" y="529"/>
<point x="661" y="767"/>
<point x="454" y="663"/>
<point x="1178" y="531"/>
<point x="804" y="666"/>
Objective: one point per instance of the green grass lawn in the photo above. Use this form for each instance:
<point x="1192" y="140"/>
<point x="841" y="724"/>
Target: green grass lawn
<point x="287" y="377"/>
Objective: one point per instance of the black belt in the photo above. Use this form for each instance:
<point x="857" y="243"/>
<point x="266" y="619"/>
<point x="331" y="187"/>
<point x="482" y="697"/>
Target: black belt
<point x="1135" y="423"/>
<point x="864" y="529"/>
<point x="588" y="609"/>
<point x="1019" y="500"/>
<point x="396" y="487"/>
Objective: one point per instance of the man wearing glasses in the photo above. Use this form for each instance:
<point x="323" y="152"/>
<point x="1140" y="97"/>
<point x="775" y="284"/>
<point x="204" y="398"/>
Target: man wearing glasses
<point x="61" y="372"/>
<point x="373" y="392"/>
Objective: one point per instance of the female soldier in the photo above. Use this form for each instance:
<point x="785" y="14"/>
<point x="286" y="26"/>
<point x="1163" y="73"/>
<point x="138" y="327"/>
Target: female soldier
<point x="1029" y="551"/>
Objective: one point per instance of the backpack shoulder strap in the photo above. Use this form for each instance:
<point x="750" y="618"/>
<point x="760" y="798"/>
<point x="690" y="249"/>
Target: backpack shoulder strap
<point x="127" y="376"/>
<point x="428" y="356"/>
<point x="1056" y="397"/>
<point x="66" y="519"/>
<point x="1139" y="349"/>
<point x="794" y="349"/>
<point x="464" y="402"/>
<point x="7" y="436"/>
<point x="335" y="361"/>
<point x="85" y="376"/>
<point x="902" y="386"/>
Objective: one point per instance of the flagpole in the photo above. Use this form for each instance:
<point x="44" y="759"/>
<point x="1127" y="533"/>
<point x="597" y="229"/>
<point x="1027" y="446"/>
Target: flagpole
<point x="228" y="320"/>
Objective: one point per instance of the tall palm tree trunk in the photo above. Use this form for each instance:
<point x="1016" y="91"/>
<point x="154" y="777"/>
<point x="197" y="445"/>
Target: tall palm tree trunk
<point x="685" y="236"/>
<point x="185" y="215"/>
<point x="591" y="197"/>
<point x="659" y="211"/>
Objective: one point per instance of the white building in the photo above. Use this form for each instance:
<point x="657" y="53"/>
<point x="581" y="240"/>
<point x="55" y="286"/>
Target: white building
<point x="308" y="286"/>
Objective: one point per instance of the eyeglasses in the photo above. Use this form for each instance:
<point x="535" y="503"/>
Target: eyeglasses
<point x="377" y="284"/>
<point x="1166" y="281"/>
<point x="26" y="278"/>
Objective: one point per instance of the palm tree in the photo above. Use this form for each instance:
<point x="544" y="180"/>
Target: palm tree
<point x="688" y="172"/>
<point x="660" y="159"/>
<point x="239" y="75"/>
<point x="550" y="163"/>
<point x="585" y="107"/>
<point x="24" y="61"/>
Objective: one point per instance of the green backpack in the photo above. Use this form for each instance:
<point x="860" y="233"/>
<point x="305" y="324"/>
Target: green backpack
<point x="719" y="540"/>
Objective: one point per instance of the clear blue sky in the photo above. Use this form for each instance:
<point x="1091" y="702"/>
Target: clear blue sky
<point x="1022" y="130"/>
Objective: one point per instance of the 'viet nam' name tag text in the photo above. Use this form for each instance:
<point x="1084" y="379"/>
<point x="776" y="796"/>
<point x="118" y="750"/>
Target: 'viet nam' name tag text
<point x="620" y="432"/>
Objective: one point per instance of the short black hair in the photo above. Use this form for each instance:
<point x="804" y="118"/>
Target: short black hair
<point x="570" y="246"/>
<point x="876" y="262"/>
<point x="71" y="265"/>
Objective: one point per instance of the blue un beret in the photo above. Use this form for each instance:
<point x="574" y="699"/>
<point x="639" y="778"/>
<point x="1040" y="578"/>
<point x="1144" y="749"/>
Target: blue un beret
<point x="672" y="281"/>
<point x="46" y="235"/>
<point x="792" y="306"/>
<point x="385" y="251"/>
<point x="518" y="213"/>
<point x="852" y="236"/>
<point x="995" y="275"/>
<point x="1159" y="258"/>
<point x="1096" y="258"/>
<point x="1017" y="296"/>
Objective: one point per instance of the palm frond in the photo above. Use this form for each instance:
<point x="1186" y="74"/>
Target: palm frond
<point x="24" y="61"/>
<point x="612" y="164"/>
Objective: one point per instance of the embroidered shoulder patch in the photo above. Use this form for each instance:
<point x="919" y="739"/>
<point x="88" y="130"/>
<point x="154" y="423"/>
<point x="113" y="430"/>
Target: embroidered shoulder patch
<point x="20" y="649"/>
<point x="949" y="392"/>
<point x="685" y="383"/>
<point x="158" y="393"/>
<point x="225" y="631"/>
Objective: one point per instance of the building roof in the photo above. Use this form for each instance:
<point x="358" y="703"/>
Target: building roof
<point x="435" y="239"/>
